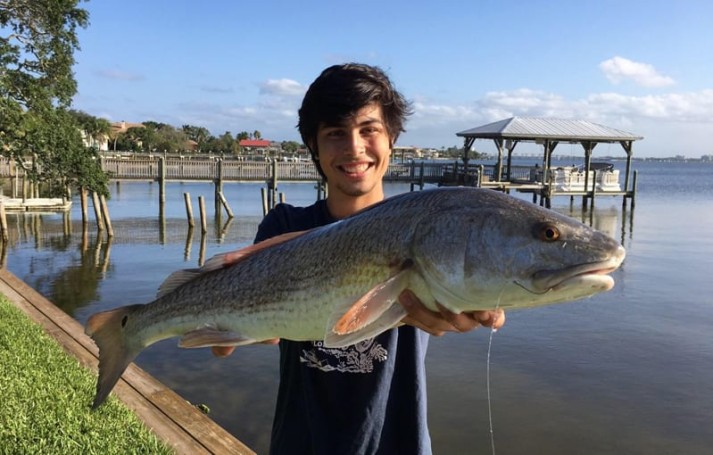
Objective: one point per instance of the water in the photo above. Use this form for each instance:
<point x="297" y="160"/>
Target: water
<point x="628" y="371"/>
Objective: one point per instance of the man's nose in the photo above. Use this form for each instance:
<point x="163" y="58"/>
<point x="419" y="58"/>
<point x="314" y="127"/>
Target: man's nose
<point x="355" y="144"/>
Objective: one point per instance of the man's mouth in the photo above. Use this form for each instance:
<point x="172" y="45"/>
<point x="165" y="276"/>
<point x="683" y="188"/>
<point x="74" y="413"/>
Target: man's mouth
<point x="355" y="168"/>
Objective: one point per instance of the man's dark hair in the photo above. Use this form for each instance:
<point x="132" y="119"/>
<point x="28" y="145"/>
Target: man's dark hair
<point x="339" y="92"/>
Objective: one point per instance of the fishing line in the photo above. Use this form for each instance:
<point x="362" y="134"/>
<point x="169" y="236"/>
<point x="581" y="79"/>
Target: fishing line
<point x="487" y="376"/>
<point x="487" y="386"/>
<point x="487" y="381"/>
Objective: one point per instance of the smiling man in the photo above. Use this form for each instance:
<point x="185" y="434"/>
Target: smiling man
<point x="369" y="397"/>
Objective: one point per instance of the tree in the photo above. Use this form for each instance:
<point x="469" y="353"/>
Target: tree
<point x="37" y="43"/>
<point x="63" y="157"/>
<point x="198" y="134"/>
<point x="256" y="135"/>
<point x="226" y="143"/>
<point x="290" y="146"/>
<point x="95" y="129"/>
<point x="170" y="139"/>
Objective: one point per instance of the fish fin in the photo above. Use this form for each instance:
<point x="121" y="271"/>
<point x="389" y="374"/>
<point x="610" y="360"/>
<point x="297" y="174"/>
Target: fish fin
<point x="209" y="336"/>
<point x="176" y="279"/>
<point x="373" y="313"/>
<point x="389" y="319"/>
<point x="234" y="257"/>
<point x="220" y="261"/>
<point x="115" y="353"/>
<point x="371" y="305"/>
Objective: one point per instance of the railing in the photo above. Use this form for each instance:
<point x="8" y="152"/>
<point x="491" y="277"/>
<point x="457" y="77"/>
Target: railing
<point x="233" y="170"/>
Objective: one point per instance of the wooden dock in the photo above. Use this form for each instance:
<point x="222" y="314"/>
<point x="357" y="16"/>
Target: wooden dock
<point x="416" y="173"/>
<point x="35" y="204"/>
<point x="182" y="426"/>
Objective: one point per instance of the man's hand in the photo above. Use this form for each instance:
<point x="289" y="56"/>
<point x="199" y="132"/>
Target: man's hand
<point x="438" y="323"/>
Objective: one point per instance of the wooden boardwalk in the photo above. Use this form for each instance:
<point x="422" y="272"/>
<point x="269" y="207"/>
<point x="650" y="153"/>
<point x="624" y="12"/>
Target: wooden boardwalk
<point x="218" y="170"/>
<point x="182" y="426"/>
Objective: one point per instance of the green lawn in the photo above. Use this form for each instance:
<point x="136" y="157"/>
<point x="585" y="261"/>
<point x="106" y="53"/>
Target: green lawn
<point x="45" y="398"/>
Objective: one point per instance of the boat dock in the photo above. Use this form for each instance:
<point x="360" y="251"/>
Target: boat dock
<point x="35" y="204"/>
<point x="181" y="425"/>
<point x="525" y="179"/>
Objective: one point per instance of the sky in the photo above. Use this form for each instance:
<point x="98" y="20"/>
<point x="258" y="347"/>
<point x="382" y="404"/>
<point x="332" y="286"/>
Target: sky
<point x="645" y="67"/>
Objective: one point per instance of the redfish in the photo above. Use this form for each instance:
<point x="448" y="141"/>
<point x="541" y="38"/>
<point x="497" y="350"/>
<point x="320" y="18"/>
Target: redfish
<point x="465" y="248"/>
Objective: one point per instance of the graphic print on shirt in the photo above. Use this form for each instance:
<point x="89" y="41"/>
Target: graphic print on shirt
<point x="357" y="358"/>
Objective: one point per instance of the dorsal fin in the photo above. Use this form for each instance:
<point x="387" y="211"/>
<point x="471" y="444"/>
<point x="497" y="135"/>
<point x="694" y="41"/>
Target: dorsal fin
<point x="221" y="260"/>
<point x="233" y="257"/>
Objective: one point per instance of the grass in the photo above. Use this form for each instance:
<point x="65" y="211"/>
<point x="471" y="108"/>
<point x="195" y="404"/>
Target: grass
<point x="45" y="398"/>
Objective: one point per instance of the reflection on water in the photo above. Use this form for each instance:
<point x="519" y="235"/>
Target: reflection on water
<point x="628" y="371"/>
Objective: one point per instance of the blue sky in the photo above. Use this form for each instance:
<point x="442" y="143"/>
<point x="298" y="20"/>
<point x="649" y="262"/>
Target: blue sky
<point x="640" y="66"/>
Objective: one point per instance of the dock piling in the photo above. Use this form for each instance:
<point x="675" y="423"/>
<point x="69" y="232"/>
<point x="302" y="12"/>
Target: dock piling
<point x="189" y="209"/>
<point x="3" y="222"/>
<point x="97" y="211"/>
<point x="224" y="201"/>
<point x="105" y="216"/>
<point x="204" y="223"/>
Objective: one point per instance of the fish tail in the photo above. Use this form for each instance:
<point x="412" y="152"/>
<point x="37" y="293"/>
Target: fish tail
<point x="107" y="329"/>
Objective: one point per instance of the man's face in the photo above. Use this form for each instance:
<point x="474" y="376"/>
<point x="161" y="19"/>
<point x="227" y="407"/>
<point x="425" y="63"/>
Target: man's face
<point x="354" y="155"/>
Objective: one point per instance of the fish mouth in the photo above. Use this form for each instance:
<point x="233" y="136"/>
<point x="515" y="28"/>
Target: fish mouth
<point x="594" y="275"/>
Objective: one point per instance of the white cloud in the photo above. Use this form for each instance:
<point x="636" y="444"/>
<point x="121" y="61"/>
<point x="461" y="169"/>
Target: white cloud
<point x="656" y="117"/>
<point x="281" y="87"/>
<point x="619" y="69"/>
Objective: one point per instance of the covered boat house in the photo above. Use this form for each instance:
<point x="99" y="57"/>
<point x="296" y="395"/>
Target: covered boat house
<point x="549" y="132"/>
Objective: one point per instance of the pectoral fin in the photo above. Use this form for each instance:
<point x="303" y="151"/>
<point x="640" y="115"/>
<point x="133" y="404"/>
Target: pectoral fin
<point x="376" y="311"/>
<point x="209" y="336"/>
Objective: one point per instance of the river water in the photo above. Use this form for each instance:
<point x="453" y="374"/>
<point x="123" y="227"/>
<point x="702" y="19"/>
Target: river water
<point x="629" y="371"/>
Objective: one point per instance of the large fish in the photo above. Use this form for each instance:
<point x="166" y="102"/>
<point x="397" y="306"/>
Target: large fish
<point x="467" y="249"/>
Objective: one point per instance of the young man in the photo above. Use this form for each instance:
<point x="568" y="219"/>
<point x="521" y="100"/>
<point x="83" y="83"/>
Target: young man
<point x="370" y="397"/>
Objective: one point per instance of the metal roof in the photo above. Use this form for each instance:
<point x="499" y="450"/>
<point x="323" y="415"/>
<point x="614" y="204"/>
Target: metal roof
<point x="562" y="130"/>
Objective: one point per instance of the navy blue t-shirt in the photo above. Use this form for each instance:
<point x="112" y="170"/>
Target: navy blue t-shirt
<point x="368" y="398"/>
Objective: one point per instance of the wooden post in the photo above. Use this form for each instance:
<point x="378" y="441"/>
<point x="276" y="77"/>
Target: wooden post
<point x="411" y="175"/>
<point x="224" y="201"/>
<point x="105" y="215"/>
<point x="3" y="222"/>
<point x="97" y="211"/>
<point x="162" y="181"/>
<point x="204" y="223"/>
<point x="219" y="185"/>
<point x="263" y="194"/>
<point x="189" y="209"/>
<point x="633" y="192"/>
<point x="594" y="187"/>
<point x="16" y="181"/>
<point x="273" y="198"/>
<point x="83" y="202"/>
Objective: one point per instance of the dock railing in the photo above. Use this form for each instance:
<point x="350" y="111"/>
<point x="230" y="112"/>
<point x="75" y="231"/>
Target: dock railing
<point x="252" y="171"/>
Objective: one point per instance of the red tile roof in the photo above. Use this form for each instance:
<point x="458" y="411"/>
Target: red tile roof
<point x="254" y="143"/>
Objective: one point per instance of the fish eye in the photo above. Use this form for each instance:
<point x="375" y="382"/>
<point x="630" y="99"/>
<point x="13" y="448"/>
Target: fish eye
<point x="548" y="232"/>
